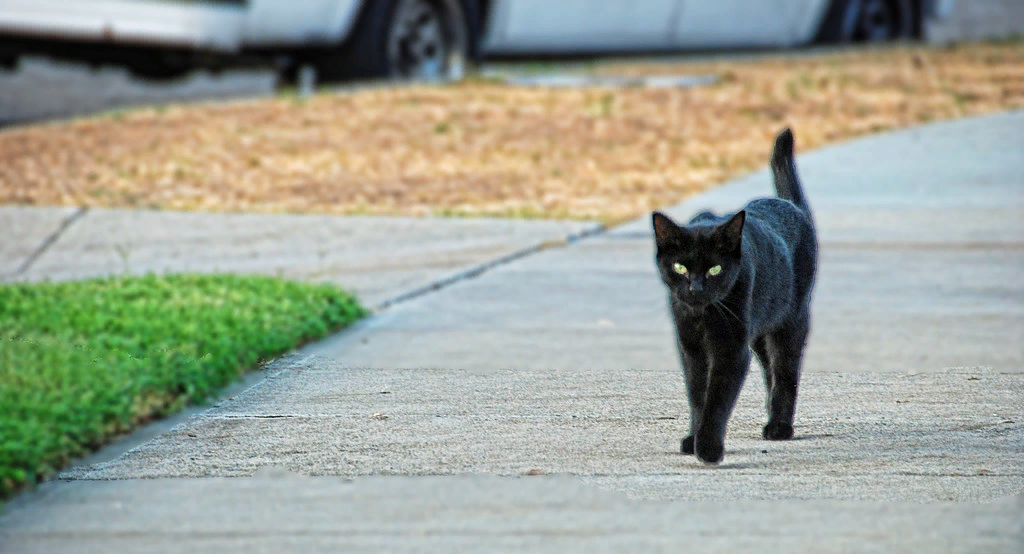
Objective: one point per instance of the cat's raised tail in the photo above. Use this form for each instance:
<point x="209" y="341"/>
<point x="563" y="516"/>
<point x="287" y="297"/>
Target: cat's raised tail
<point x="787" y="186"/>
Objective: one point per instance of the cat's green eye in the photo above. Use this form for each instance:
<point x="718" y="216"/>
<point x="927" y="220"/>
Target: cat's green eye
<point x="715" y="270"/>
<point x="679" y="268"/>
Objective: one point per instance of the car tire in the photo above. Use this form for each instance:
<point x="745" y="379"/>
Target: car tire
<point x="407" y="39"/>
<point x="287" y="75"/>
<point x="9" y="63"/>
<point x="158" y="72"/>
<point x="869" y="21"/>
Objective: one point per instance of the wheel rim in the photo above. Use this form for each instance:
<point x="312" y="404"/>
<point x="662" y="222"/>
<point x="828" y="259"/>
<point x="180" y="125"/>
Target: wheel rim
<point x="419" y="45"/>
<point x="877" y="21"/>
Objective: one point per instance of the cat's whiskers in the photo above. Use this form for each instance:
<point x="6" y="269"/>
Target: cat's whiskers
<point x="721" y="306"/>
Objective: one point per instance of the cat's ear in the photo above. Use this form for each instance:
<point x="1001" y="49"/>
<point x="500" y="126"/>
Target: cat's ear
<point x="664" y="228"/>
<point x="731" y="232"/>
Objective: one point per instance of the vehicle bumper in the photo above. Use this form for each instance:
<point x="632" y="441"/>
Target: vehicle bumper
<point x="215" y="26"/>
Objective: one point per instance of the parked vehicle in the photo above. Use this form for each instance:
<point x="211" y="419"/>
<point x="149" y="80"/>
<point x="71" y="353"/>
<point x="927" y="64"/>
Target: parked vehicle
<point x="422" y="38"/>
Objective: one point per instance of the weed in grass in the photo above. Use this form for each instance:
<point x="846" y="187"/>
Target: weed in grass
<point x="961" y="99"/>
<point x="806" y="80"/>
<point x="129" y="198"/>
<point x="699" y="161"/>
<point x="481" y="79"/>
<point x="534" y="67"/>
<point x="749" y="113"/>
<point x="791" y="90"/>
<point x="602" y="107"/>
<point x="607" y="103"/>
<point x="862" y="110"/>
<point x="847" y="80"/>
<point x="726" y="77"/>
<point x="292" y="96"/>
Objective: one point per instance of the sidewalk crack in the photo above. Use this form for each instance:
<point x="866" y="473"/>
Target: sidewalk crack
<point x="49" y="240"/>
<point x="480" y="269"/>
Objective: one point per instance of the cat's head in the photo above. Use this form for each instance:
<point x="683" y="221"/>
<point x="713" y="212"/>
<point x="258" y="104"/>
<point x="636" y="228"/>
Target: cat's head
<point x="699" y="262"/>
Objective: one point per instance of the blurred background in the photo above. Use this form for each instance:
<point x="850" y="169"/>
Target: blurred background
<point x="60" y="58"/>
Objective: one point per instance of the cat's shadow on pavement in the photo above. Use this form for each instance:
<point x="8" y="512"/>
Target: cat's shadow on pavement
<point x="747" y="453"/>
<point x="691" y="462"/>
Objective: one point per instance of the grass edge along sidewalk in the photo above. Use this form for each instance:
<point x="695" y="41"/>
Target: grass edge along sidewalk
<point x="82" y="362"/>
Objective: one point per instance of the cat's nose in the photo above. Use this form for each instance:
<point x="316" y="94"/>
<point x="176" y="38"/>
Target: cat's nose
<point x="696" y="286"/>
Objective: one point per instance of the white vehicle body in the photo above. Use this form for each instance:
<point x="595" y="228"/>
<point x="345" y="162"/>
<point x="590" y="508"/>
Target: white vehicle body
<point x="607" y="25"/>
<point x="226" y="27"/>
<point x="514" y="26"/>
<point x="218" y="26"/>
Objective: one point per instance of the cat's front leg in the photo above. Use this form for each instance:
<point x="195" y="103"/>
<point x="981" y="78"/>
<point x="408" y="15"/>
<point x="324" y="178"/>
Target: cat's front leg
<point x="728" y="369"/>
<point x="695" y="370"/>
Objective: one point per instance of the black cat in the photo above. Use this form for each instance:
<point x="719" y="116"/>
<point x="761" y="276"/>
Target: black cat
<point x="737" y="282"/>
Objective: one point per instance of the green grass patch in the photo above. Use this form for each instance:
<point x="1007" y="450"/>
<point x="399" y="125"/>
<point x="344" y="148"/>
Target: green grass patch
<point x="81" y="362"/>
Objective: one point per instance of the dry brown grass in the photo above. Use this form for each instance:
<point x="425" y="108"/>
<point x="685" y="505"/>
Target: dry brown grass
<point x="480" y="148"/>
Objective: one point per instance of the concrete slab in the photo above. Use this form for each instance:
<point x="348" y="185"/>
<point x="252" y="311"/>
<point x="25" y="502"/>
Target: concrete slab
<point x="24" y="230"/>
<point x="284" y="513"/>
<point x="955" y="435"/>
<point x="377" y="257"/>
<point x="598" y="304"/>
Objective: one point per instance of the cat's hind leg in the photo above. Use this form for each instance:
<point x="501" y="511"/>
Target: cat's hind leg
<point x="784" y="350"/>
<point x="760" y="347"/>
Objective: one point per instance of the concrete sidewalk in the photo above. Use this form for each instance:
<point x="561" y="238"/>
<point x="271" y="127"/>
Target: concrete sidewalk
<point x="379" y="258"/>
<point x="538" y="407"/>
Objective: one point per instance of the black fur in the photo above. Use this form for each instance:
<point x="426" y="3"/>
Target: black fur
<point x="760" y="299"/>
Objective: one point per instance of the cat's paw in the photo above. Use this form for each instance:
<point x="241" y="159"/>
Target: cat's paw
<point x="777" y="431"/>
<point x="710" y="451"/>
<point x="686" y="446"/>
